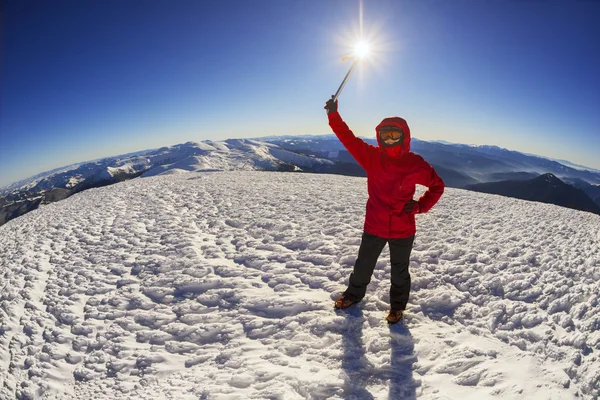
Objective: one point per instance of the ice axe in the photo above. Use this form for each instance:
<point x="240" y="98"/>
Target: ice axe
<point x="361" y="51"/>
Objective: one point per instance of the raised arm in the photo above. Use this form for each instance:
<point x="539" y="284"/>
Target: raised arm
<point x="358" y="148"/>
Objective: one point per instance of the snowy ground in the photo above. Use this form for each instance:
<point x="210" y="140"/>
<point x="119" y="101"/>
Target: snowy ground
<point x="220" y="286"/>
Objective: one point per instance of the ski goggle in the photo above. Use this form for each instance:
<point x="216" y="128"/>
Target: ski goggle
<point x="393" y="134"/>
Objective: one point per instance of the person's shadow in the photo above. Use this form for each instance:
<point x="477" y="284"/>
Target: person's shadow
<point x="402" y="384"/>
<point x="357" y="368"/>
<point x="359" y="372"/>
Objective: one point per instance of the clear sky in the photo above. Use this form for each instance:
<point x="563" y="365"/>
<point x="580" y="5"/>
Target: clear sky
<point x="81" y="80"/>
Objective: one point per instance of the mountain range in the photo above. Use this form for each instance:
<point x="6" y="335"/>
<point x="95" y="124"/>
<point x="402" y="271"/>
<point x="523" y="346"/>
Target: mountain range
<point x="466" y="166"/>
<point x="481" y="168"/>
<point x="545" y="188"/>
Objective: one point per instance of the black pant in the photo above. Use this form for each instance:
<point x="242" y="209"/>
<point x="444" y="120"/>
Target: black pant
<point x="370" y="249"/>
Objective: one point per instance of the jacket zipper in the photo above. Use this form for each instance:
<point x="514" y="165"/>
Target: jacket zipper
<point x="391" y="211"/>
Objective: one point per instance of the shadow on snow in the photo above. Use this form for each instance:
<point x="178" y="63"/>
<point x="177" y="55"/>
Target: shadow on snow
<point x="359" y="372"/>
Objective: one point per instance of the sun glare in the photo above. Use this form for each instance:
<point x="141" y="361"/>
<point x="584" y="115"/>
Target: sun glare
<point x="361" y="50"/>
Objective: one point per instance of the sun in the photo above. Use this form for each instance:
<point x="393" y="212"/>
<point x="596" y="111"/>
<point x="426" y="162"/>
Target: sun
<point x="361" y="50"/>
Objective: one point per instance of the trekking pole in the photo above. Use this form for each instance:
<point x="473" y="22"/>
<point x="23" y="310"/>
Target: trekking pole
<point x="361" y="51"/>
<point x="337" y="94"/>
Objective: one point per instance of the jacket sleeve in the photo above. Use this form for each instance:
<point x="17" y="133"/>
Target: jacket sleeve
<point x="435" y="189"/>
<point x="358" y="148"/>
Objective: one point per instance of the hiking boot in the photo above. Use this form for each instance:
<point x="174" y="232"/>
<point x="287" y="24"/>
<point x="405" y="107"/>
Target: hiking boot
<point x="394" y="316"/>
<point x="344" y="302"/>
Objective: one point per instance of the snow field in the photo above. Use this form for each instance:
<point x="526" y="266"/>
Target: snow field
<point x="220" y="285"/>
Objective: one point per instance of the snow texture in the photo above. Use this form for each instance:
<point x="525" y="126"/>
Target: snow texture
<point x="221" y="286"/>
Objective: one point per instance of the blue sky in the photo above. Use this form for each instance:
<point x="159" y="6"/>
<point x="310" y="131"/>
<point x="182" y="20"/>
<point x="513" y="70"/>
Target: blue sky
<point x="85" y="80"/>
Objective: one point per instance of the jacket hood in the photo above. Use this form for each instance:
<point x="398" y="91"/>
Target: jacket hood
<point x="402" y="148"/>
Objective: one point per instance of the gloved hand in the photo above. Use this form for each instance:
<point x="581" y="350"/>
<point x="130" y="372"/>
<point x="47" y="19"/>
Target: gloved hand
<point x="412" y="207"/>
<point x="331" y="106"/>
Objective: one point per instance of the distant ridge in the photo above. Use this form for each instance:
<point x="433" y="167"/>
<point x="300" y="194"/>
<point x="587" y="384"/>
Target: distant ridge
<point x="545" y="188"/>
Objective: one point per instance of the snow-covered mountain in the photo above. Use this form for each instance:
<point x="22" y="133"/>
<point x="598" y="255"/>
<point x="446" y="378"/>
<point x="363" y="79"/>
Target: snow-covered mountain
<point x="56" y="177"/>
<point x="232" y="154"/>
<point x="221" y="285"/>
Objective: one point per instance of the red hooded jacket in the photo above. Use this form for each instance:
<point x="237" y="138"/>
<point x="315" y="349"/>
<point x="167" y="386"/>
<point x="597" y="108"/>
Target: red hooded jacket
<point x="392" y="174"/>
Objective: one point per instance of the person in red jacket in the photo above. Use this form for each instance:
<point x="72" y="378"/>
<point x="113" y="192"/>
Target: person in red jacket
<point x="392" y="174"/>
